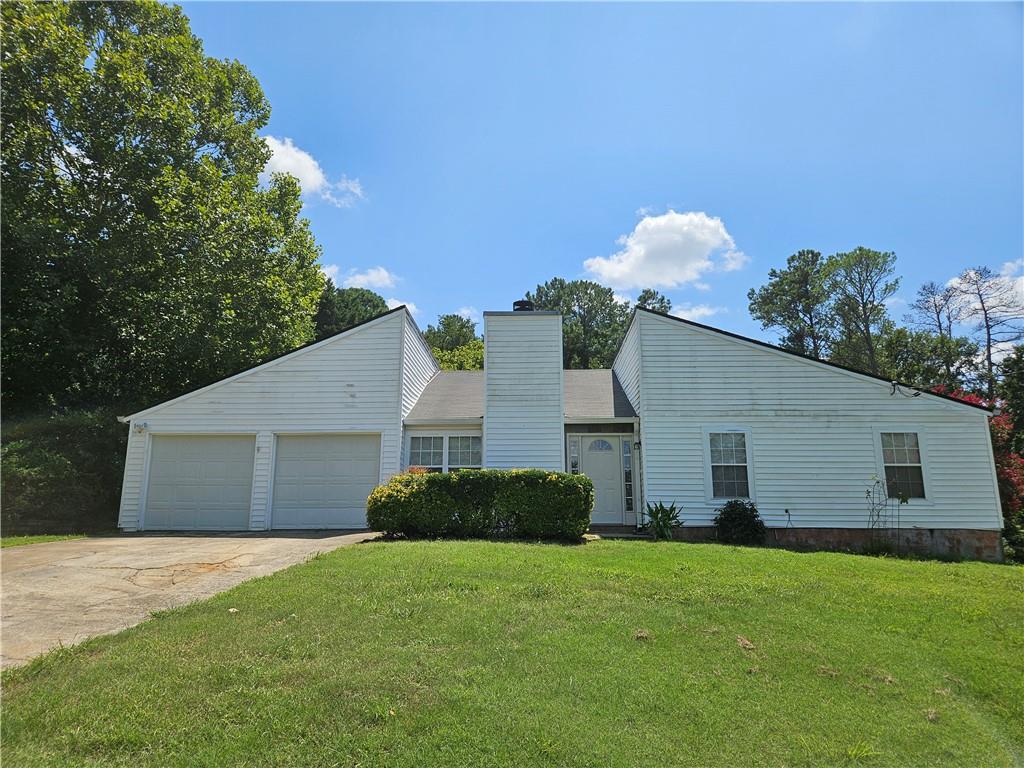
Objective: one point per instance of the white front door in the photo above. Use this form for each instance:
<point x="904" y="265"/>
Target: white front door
<point x="601" y="461"/>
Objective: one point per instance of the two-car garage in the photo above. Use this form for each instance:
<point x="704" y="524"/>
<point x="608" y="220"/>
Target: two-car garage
<point x="205" y="482"/>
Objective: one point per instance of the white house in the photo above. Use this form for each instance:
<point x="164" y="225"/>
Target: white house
<point x="688" y="414"/>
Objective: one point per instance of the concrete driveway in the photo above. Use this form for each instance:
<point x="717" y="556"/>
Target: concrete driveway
<point x="65" y="592"/>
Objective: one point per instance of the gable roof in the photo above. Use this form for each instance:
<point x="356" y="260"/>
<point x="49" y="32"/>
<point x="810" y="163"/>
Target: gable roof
<point x="595" y="394"/>
<point x="458" y="396"/>
<point x="806" y="358"/>
<point x="269" y="361"/>
<point x="450" y="396"/>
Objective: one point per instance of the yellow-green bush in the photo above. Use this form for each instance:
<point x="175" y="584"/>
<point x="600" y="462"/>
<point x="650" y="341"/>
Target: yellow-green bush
<point x="483" y="503"/>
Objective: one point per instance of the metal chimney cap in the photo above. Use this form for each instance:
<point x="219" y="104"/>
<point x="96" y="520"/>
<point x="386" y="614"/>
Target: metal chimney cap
<point x="523" y="305"/>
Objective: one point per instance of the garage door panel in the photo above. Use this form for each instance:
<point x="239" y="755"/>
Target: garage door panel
<point x="322" y="481"/>
<point x="200" y="482"/>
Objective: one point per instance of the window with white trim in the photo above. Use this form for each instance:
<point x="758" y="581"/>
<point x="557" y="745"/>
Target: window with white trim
<point x="441" y="453"/>
<point x="464" y="452"/>
<point x="901" y="458"/>
<point x="729" y="468"/>
<point x="427" y="452"/>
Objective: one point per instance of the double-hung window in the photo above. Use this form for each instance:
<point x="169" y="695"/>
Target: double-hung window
<point x="441" y="453"/>
<point x="427" y="452"/>
<point x="464" y="452"/>
<point x="901" y="458"/>
<point x="730" y="471"/>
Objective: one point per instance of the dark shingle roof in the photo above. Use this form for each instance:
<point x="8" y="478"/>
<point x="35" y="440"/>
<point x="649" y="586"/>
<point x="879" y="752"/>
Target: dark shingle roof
<point x="451" y="395"/>
<point x="459" y="395"/>
<point x="595" y="394"/>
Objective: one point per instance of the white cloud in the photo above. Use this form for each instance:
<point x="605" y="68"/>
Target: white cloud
<point x="667" y="251"/>
<point x="621" y="298"/>
<point x="470" y="313"/>
<point x="700" y="286"/>
<point x="331" y="272"/>
<point x="1000" y="350"/>
<point x="392" y="303"/>
<point x="287" y="158"/>
<point x="1011" y="268"/>
<point x="696" y="311"/>
<point x="733" y="260"/>
<point x="374" y="277"/>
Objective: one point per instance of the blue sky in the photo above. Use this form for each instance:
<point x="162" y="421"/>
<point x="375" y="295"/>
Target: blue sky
<point x="453" y="156"/>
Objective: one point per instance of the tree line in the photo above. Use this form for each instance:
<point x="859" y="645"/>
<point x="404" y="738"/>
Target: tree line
<point x="837" y="308"/>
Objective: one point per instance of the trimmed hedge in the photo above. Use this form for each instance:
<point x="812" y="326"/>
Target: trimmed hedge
<point x="483" y="503"/>
<point x="62" y="473"/>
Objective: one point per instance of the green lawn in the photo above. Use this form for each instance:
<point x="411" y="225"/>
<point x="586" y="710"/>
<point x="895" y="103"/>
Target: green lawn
<point x="19" y="541"/>
<point x="610" y="653"/>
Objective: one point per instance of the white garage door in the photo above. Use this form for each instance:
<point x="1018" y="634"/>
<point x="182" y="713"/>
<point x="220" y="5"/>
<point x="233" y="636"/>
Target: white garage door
<point x="200" y="482"/>
<point x="322" y="481"/>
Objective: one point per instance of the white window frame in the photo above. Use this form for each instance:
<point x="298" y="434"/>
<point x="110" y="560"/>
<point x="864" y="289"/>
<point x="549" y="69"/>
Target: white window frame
<point x="709" y="486"/>
<point x="922" y="444"/>
<point x="444" y="434"/>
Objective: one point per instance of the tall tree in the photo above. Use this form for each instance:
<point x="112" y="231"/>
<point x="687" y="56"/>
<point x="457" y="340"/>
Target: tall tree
<point x="925" y="359"/>
<point x="651" y="299"/>
<point x="797" y="300"/>
<point x="140" y="254"/>
<point x="937" y="309"/>
<point x="1011" y="391"/>
<point x="995" y="304"/>
<point x="593" y="322"/>
<point x="861" y="281"/>
<point x="451" y="332"/>
<point x="341" y="308"/>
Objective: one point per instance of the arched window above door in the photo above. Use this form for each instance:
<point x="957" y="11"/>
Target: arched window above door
<point x="600" y="445"/>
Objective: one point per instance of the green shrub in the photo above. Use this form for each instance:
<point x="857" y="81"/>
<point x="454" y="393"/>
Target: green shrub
<point x="483" y="503"/>
<point x="739" y="522"/>
<point x="62" y="473"/>
<point x="661" y="520"/>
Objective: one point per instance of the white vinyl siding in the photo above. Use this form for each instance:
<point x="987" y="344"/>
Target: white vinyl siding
<point x="627" y="364"/>
<point x="815" y="429"/>
<point x="418" y="366"/>
<point x="523" y="413"/>
<point x="348" y="383"/>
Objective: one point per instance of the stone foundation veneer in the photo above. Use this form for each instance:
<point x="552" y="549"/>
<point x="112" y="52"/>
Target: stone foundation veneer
<point x="942" y="543"/>
<point x="945" y="543"/>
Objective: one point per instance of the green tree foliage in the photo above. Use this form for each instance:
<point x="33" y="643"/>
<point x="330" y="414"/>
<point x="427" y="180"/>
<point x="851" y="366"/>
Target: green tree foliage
<point x="593" y="322"/>
<point x="651" y="299"/>
<point x="860" y="281"/>
<point x="468" y="357"/>
<point x="341" y="308"/>
<point x="798" y="301"/>
<point x="1011" y="391"/>
<point x="140" y="255"/>
<point x="451" y="332"/>
<point x="925" y="359"/>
